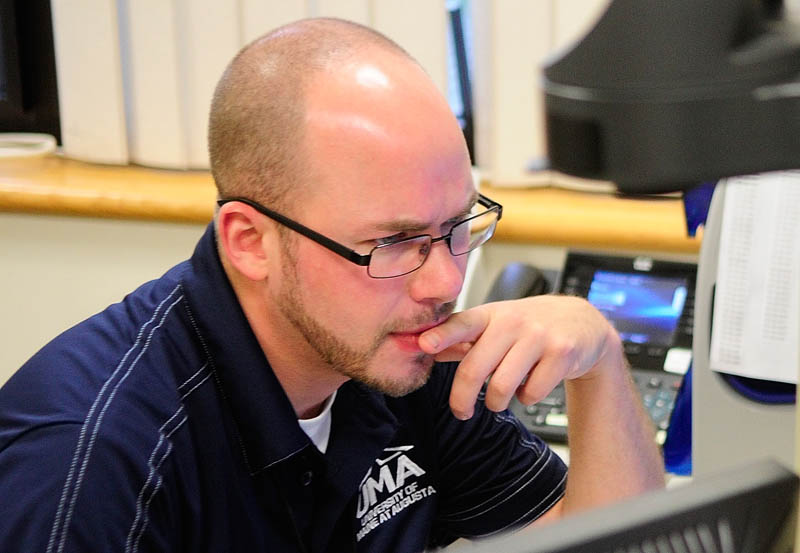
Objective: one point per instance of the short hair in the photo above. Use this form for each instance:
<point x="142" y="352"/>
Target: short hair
<point x="256" y="123"/>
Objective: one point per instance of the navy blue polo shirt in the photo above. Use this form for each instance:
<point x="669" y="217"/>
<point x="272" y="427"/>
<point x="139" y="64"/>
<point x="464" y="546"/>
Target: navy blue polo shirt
<point x="158" y="425"/>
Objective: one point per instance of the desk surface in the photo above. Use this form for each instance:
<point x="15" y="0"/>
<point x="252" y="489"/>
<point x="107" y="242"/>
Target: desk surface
<point x="56" y="185"/>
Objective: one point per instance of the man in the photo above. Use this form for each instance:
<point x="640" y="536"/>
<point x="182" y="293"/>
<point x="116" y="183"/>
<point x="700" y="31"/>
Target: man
<point x="300" y="383"/>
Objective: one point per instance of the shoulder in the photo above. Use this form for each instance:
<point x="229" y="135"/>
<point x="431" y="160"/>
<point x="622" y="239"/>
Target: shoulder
<point x="100" y="408"/>
<point x="101" y="366"/>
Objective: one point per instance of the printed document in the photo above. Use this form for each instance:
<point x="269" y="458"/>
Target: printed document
<point x="755" y="326"/>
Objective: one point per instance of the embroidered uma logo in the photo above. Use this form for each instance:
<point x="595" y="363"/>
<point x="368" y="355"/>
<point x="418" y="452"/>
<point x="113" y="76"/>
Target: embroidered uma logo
<point x="392" y="489"/>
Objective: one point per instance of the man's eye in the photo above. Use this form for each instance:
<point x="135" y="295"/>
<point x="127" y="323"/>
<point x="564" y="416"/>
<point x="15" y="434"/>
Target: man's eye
<point x="448" y="226"/>
<point x="390" y="239"/>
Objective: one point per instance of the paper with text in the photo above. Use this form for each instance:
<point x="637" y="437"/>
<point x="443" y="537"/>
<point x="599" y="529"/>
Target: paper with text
<point x="755" y="326"/>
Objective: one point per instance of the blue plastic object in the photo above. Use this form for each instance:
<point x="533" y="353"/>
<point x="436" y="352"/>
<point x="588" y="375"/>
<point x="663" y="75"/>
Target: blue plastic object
<point x="678" y="445"/>
<point x="696" y="202"/>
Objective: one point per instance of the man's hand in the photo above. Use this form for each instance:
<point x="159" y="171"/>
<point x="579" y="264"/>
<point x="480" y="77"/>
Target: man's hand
<point x="525" y="347"/>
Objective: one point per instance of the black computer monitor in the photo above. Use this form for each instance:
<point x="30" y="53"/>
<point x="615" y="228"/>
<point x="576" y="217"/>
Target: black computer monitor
<point x="749" y="509"/>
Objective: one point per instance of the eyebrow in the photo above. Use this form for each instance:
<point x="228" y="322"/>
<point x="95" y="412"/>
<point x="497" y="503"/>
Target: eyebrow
<point x="410" y="225"/>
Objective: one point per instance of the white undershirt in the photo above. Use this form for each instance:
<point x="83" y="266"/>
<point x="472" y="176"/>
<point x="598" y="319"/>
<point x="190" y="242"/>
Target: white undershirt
<point x="318" y="429"/>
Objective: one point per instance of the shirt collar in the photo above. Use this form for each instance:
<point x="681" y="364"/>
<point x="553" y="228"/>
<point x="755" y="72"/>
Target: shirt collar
<point x="264" y="416"/>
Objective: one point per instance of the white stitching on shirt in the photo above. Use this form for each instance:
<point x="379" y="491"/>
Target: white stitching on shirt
<point x="529" y="511"/>
<point x="67" y="485"/>
<point x="131" y="543"/>
<point x="216" y="379"/>
<point x="523" y="442"/>
<point x="196" y="386"/>
<point x="277" y="461"/>
<point x="193" y="376"/>
<point x="467" y="514"/>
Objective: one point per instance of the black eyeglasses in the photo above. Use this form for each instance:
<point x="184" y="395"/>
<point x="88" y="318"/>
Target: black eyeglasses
<point x="405" y="255"/>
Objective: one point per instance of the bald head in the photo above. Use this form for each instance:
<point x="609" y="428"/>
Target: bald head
<point x="257" y="119"/>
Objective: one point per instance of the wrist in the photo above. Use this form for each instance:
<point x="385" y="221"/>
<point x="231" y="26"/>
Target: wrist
<point x="611" y="359"/>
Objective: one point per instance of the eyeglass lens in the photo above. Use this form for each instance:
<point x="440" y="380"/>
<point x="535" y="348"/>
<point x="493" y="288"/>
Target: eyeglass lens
<point x="400" y="258"/>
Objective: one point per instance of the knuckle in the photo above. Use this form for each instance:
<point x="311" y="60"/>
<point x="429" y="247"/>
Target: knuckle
<point x="501" y="387"/>
<point x="563" y="347"/>
<point x="470" y="375"/>
<point x="536" y="331"/>
<point x="514" y="318"/>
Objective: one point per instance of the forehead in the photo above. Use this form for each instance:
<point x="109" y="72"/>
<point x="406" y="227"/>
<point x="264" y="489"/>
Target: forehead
<point x="356" y="208"/>
<point x="386" y="148"/>
<point x="420" y="188"/>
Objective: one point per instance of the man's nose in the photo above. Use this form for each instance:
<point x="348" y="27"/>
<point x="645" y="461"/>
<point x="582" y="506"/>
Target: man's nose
<point x="441" y="276"/>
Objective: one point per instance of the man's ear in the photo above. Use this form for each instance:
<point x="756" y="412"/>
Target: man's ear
<point x="241" y="231"/>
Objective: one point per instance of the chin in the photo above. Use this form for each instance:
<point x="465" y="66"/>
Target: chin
<point x="414" y="377"/>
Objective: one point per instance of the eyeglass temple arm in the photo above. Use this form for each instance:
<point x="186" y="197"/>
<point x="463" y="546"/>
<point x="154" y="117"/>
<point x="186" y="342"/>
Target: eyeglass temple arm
<point x="324" y="241"/>
<point x="488" y="203"/>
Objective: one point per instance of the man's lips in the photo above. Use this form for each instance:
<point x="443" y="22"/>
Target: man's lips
<point x="409" y="339"/>
<point x="418" y="330"/>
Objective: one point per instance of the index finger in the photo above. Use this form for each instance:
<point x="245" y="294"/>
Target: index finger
<point x="465" y="326"/>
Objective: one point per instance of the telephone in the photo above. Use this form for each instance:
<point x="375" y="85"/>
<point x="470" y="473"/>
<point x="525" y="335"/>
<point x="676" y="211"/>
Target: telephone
<point x="650" y="302"/>
<point x="518" y="280"/>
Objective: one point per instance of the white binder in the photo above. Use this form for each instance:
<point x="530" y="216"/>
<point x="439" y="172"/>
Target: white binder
<point x="90" y="91"/>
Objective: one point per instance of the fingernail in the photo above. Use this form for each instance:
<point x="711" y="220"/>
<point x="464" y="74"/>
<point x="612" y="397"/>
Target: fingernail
<point x="431" y="339"/>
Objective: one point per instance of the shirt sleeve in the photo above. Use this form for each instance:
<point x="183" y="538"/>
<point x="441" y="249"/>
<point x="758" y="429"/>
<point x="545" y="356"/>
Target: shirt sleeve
<point x="495" y="475"/>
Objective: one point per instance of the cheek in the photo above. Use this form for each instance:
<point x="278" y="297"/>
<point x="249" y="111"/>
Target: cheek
<point x="343" y="292"/>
